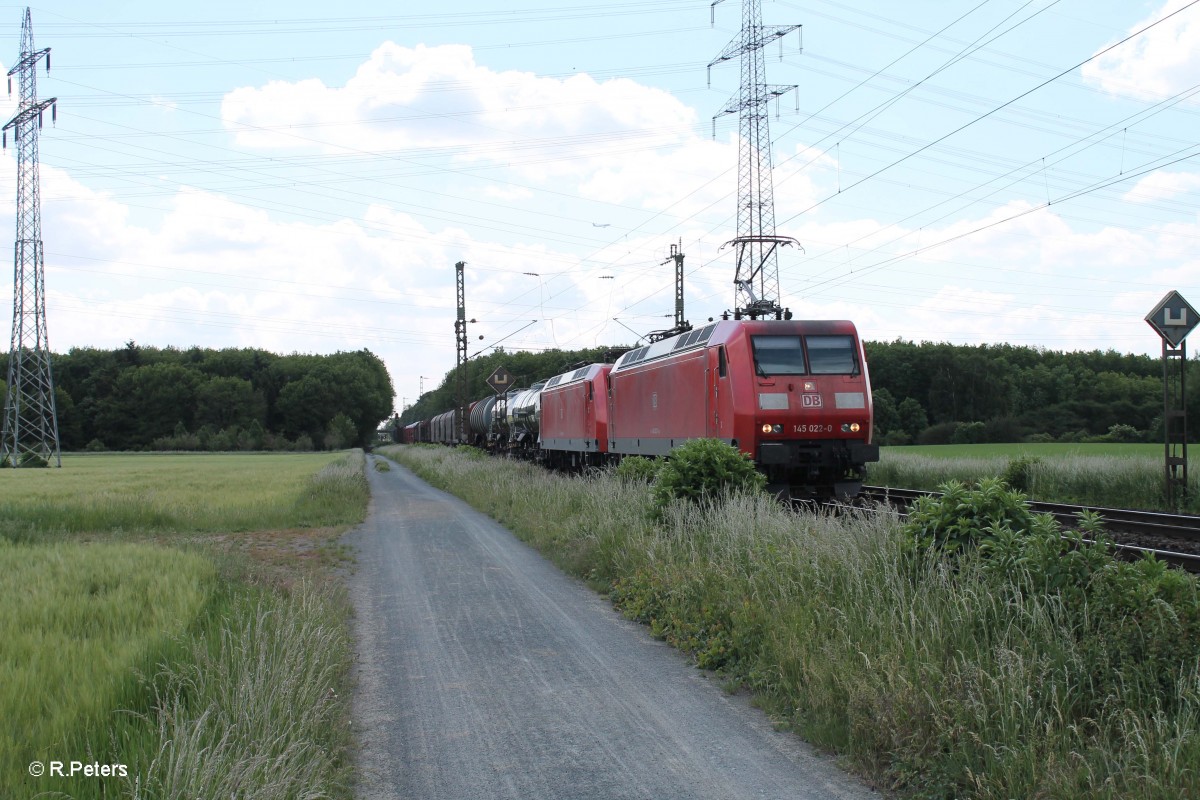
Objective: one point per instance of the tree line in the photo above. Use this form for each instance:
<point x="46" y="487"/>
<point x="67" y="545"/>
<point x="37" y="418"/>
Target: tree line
<point x="137" y="398"/>
<point x="931" y="393"/>
<point x="147" y="398"/>
<point x="941" y="393"/>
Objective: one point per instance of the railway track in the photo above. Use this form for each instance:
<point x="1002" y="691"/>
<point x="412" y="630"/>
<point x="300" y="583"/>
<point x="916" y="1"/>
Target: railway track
<point x="1173" y="538"/>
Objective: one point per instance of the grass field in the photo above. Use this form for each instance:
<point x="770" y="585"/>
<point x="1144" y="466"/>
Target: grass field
<point x="172" y="614"/>
<point x="77" y="622"/>
<point x="1051" y="450"/>
<point x="1108" y="475"/>
<point x="167" y="493"/>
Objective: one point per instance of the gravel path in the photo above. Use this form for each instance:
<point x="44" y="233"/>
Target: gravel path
<point x="484" y="672"/>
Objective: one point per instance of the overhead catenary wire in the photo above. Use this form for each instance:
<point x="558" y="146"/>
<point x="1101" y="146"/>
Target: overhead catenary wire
<point x="1005" y="104"/>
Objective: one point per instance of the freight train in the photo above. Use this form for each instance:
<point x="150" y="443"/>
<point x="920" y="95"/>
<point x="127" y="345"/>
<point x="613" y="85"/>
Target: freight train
<point x="793" y="395"/>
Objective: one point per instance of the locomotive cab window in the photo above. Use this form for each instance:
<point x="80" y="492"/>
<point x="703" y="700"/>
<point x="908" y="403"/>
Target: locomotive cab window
<point x="832" y="355"/>
<point x="778" y="355"/>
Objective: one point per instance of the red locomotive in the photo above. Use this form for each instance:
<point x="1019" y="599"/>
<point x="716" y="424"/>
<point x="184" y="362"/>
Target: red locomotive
<point x="574" y="420"/>
<point x="794" y="395"/>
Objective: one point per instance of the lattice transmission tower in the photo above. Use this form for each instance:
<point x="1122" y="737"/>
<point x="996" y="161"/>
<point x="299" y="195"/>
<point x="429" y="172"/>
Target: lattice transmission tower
<point x="756" y="245"/>
<point x="460" y="339"/>
<point x="30" y="430"/>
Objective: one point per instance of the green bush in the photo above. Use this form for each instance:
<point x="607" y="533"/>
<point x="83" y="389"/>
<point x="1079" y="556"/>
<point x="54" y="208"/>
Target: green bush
<point x="969" y="433"/>
<point x="961" y="518"/>
<point x="639" y="469"/>
<point x="1145" y="624"/>
<point x="1122" y="433"/>
<point x="894" y="439"/>
<point x="1018" y="473"/>
<point x="942" y="433"/>
<point x="1137" y="624"/>
<point x="704" y="470"/>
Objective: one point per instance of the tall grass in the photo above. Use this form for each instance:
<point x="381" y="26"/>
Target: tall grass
<point x="935" y="682"/>
<point x="109" y="652"/>
<point x="1111" y="481"/>
<point x="75" y="624"/>
<point x="336" y="495"/>
<point x="252" y="710"/>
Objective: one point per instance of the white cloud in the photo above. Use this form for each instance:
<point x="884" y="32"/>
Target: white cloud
<point x="1162" y="185"/>
<point x="439" y="97"/>
<point x="685" y="179"/>
<point x="1161" y="62"/>
<point x="508" y="193"/>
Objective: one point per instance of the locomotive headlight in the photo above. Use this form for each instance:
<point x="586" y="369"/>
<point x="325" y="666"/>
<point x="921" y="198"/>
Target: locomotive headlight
<point x="767" y="427"/>
<point x="810" y="386"/>
<point x="777" y="429"/>
<point x="851" y="427"/>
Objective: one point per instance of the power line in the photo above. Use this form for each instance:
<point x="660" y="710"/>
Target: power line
<point x="1000" y="107"/>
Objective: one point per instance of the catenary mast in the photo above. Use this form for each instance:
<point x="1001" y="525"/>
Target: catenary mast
<point x="460" y="338"/>
<point x="756" y="246"/>
<point x="30" y="429"/>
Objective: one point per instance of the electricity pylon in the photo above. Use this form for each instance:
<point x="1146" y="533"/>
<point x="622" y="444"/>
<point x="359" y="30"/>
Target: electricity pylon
<point x="30" y="430"/>
<point x="756" y="245"/>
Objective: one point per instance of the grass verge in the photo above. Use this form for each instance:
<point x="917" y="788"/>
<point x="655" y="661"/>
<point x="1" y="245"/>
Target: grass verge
<point x="208" y="664"/>
<point x="933" y="682"/>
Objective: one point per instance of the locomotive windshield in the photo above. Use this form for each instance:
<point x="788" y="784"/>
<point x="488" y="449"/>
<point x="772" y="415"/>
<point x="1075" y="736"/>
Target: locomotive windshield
<point x="784" y="355"/>
<point x="778" y="355"/>
<point x="832" y="355"/>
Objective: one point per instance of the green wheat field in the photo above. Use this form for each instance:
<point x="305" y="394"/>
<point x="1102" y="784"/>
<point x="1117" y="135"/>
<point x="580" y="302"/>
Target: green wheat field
<point x="131" y="635"/>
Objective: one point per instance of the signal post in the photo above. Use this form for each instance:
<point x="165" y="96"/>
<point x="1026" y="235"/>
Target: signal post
<point x="1173" y="319"/>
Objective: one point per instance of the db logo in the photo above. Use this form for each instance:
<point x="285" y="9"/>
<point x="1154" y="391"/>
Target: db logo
<point x="810" y="400"/>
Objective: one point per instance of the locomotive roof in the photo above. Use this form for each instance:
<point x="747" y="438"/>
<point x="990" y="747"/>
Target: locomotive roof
<point x="722" y="330"/>
<point x="575" y="375"/>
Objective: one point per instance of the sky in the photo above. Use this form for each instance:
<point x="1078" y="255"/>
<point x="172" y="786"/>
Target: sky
<point x="303" y="177"/>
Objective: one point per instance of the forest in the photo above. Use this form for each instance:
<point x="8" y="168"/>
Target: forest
<point x="930" y="393"/>
<point x="146" y="398"/>
<point x="940" y="394"/>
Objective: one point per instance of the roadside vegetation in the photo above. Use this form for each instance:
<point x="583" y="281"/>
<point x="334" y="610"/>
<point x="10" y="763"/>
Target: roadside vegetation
<point x="154" y="616"/>
<point x="960" y="657"/>
<point x="1112" y="476"/>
